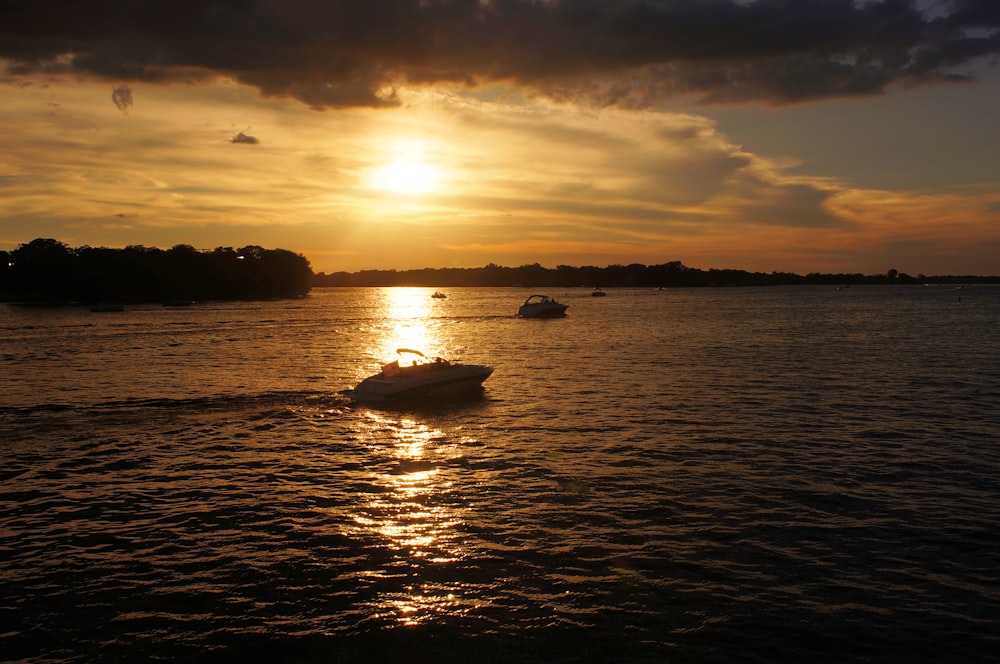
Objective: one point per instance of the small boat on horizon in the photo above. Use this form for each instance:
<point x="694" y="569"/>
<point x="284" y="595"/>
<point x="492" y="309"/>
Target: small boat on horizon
<point x="597" y="292"/>
<point x="438" y="295"/>
<point x="423" y="378"/>
<point x="541" y="306"/>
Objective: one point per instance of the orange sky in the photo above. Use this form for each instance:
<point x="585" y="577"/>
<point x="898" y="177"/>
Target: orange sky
<point x="506" y="171"/>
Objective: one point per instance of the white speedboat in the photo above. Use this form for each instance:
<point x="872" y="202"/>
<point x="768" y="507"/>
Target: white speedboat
<point x="541" y="306"/>
<point x="415" y="376"/>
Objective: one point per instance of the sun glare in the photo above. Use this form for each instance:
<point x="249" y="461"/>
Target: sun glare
<point x="407" y="173"/>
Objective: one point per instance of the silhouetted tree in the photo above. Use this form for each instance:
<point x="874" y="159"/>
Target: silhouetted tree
<point x="47" y="270"/>
<point x="44" y="270"/>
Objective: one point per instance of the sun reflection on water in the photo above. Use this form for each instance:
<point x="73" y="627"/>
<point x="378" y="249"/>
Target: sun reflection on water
<point x="413" y="516"/>
<point x="411" y="509"/>
<point x="408" y="309"/>
<point x="420" y="604"/>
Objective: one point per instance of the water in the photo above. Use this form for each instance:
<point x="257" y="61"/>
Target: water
<point x="747" y="475"/>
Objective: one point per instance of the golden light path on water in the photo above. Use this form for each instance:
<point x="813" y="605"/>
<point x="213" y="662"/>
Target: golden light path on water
<point x="411" y="513"/>
<point x="408" y="309"/>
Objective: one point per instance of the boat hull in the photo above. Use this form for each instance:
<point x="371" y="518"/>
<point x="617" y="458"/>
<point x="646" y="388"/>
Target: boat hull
<point x="456" y="381"/>
<point x="542" y="306"/>
<point x="547" y="311"/>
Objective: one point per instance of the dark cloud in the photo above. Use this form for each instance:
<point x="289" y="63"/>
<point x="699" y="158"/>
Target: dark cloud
<point x="122" y="97"/>
<point x="244" y="138"/>
<point x="332" y="54"/>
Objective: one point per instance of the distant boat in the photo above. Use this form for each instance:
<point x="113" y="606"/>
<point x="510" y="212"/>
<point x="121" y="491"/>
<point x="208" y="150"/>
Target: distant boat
<point x="423" y="378"/>
<point x="597" y="292"/>
<point x="438" y="295"/>
<point x="105" y="308"/>
<point x="542" y="306"/>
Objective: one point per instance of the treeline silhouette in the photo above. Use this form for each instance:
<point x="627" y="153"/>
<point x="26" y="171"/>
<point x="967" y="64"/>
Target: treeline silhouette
<point x="45" y="270"/>
<point x="674" y="274"/>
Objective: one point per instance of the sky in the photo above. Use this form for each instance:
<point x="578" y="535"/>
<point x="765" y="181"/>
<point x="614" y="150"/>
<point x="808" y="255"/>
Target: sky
<point x="833" y="136"/>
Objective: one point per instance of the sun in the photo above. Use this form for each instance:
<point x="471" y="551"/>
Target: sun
<point x="407" y="173"/>
<point x="406" y="177"/>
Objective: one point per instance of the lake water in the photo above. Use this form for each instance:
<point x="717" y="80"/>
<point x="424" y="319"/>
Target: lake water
<point x="747" y="475"/>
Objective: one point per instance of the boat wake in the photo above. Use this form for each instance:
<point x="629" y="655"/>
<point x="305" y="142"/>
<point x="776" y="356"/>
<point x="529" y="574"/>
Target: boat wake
<point x="220" y="403"/>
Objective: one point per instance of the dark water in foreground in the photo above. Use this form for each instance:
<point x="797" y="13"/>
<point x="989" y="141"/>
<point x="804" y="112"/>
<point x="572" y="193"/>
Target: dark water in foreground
<point x="793" y="474"/>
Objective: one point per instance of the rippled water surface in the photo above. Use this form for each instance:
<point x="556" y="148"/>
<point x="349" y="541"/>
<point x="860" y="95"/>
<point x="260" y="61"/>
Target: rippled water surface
<point x="787" y="474"/>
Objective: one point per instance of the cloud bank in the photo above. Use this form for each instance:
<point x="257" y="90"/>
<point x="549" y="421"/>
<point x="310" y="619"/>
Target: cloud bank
<point x="340" y="54"/>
